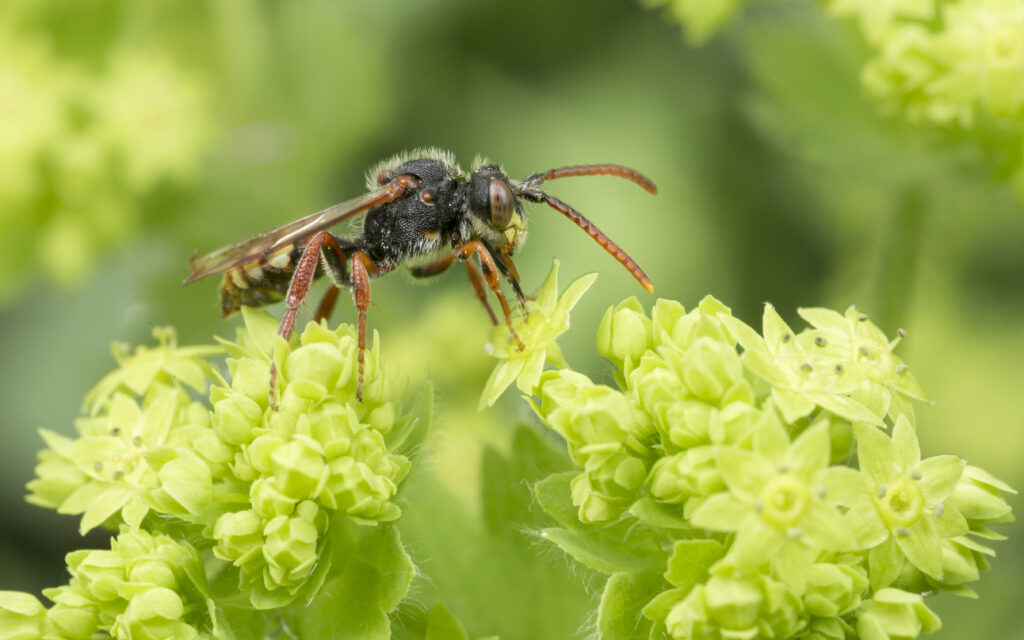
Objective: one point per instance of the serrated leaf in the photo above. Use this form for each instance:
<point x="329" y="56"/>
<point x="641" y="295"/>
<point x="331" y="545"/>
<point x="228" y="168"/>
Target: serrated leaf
<point x="619" y="616"/>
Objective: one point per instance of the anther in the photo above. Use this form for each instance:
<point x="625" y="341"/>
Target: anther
<point x="839" y="368"/>
<point x="97" y="466"/>
<point x="863" y="317"/>
<point x="820" y="341"/>
<point x="786" y="337"/>
<point x="901" y="332"/>
<point x="916" y="475"/>
<point x="881" y="491"/>
<point x="903" y="532"/>
<point x="806" y="367"/>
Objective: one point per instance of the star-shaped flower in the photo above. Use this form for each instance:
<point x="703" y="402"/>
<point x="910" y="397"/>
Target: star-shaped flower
<point x="905" y="512"/>
<point x="548" y="318"/>
<point x="781" y="502"/>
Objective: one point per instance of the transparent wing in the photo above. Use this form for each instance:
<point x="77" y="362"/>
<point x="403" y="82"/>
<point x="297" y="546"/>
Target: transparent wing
<point x="267" y="242"/>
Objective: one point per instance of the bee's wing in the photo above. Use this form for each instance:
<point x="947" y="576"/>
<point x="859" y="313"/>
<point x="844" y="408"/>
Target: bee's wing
<point x="267" y="242"/>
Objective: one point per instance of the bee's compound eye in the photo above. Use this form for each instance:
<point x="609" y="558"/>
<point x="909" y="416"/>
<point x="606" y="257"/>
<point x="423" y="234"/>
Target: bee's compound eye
<point x="427" y="196"/>
<point x="502" y="204"/>
<point x="382" y="177"/>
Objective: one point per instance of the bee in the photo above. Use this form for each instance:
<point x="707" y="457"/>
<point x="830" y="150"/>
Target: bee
<point x="421" y="212"/>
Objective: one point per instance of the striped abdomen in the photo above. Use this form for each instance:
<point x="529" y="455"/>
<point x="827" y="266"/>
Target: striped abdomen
<point x="259" y="282"/>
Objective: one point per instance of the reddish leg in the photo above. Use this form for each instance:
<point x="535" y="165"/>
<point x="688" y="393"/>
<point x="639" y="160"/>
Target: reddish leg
<point x="326" y="306"/>
<point x="361" y="266"/>
<point x="466" y="250"/>
<point x="302" y="278"/>
<point x="477" y="280"/>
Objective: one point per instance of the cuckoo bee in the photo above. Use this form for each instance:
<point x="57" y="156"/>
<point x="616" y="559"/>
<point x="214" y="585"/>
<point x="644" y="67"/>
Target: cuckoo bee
<point x="421" y="211"/>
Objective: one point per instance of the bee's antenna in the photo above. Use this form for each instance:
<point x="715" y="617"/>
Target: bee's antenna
<point x="536" y="195"/>
<point x="592" y="170"/>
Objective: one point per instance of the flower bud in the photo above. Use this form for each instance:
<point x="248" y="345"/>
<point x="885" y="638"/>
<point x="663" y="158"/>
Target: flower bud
<point x="624" y="334"/>
<point x="236" y="417"/>
<point x="299" y="468"/>
<point x="675" y="479"/>
<point x="314" y="369"/>
<point x="834" y="589"/>
<point x="239" y="536"/>
<point x="355" y="489"/>
<point x="895" y="614"/>
<point x="251" y="378"/>
<point x="709" y="368"/>
<point x="100" y="572"/>
<point x="268" y="501"/>
<point x="290" y="549"/>
<point x="654" y="384"/>
<point x="153" y="614"/>
<point x="664" y="315"/>
<point x="21" y="616"/>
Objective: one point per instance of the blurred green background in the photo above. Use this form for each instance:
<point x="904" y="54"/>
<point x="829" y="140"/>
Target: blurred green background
<point x="132" y="133"/>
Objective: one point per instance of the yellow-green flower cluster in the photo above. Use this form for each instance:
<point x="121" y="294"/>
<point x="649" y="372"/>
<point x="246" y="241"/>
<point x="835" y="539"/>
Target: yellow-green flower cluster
<point x="145" y="586"/>
<point x="319" y="452"/>
<point x="947" y="63"/>
<point x="82" y="146"/>
<point x="734" y="446"/>
<point x="258" y="484"/>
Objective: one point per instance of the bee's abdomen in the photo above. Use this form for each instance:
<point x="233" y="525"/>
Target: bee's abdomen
<point x="260" y="282"/>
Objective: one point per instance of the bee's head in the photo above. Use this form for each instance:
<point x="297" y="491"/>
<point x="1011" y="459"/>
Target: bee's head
<point x="495" y="210"/>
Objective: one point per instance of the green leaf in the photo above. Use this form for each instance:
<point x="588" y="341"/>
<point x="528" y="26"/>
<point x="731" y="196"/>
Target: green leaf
<point x="604" y="552"/>
<point x="442" y="625"/>
<point x="496" y="582"/>
<point x="372" y="574"/>
<point x="691" y="560"/>
<point x="625" y="595"/>
<point x="555" y="497"/>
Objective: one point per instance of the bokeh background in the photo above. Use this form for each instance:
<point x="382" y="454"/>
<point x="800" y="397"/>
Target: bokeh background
<point x="135" y="132"/>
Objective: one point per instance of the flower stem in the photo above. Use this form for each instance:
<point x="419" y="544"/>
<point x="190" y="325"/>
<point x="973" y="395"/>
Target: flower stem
<point x="899" y="260"/>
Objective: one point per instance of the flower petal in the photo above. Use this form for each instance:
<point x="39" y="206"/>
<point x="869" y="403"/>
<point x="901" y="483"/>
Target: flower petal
<point x="721" y="512"/>
<point x="939" y="475"/>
